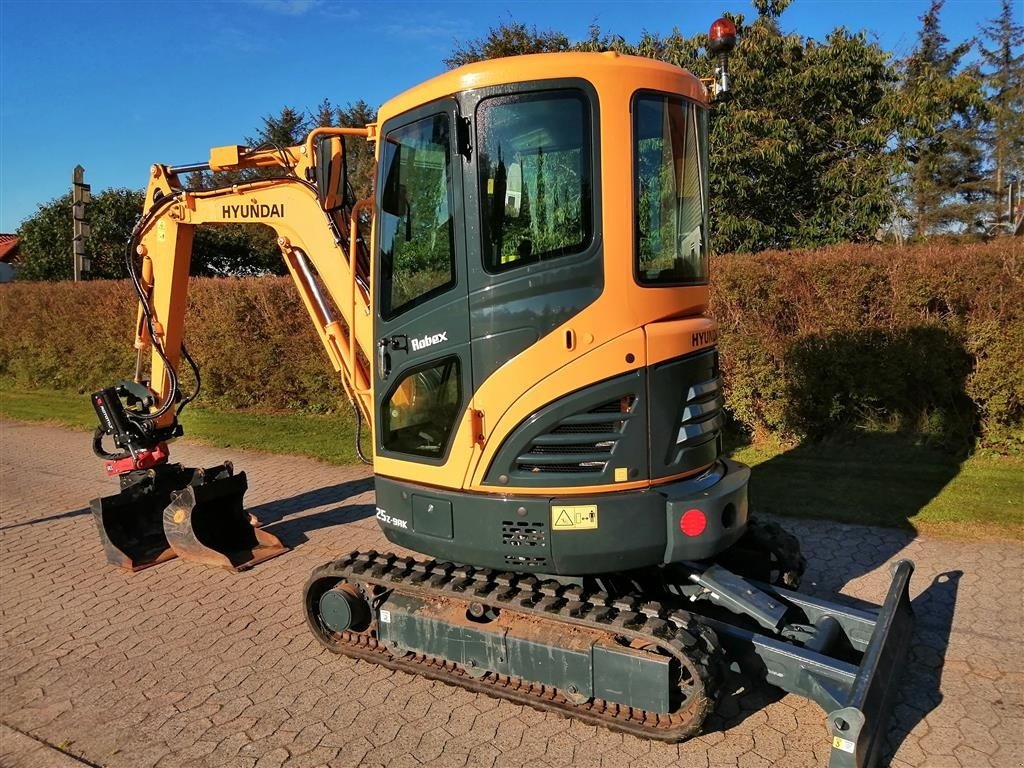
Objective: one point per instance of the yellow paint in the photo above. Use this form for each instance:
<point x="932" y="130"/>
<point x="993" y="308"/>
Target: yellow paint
<point x="621" y="474"/>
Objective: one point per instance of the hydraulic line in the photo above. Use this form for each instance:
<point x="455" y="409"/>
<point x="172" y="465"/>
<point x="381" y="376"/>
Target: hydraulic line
<point x="148" y="313"/>
<point x="359" y="434"/>
<point x="147" y="310"/>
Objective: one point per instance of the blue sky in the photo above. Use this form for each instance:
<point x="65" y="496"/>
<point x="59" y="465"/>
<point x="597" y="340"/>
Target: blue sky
<point x="117" y="86"/>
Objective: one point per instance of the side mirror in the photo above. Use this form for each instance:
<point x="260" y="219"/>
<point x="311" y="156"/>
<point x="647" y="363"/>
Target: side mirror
<point x="331" y="172"/>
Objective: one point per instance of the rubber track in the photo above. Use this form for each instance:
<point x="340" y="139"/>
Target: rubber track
<point x="675" y="632"/>
<point x="768" y="539"/>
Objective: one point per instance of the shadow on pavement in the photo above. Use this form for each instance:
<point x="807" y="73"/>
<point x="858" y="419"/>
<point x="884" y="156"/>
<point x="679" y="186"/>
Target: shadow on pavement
<point x="49" y="518"/>
<point x="273" y="511"/>
<point x="908" y="386"/>
<point x="920" y="688"/>
<point x="285" y="519"/>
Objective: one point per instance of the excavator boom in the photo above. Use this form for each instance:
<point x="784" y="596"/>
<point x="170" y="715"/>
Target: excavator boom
<point x="164" y="509"/>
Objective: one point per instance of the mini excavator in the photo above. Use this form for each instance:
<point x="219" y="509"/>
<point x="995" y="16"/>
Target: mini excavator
<point x="519" y="314"/>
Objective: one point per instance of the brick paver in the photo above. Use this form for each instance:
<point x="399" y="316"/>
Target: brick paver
<point x="184" y="665"/>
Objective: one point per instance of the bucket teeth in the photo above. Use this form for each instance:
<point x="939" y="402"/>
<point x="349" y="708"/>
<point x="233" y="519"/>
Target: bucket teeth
<point x="195" y="514"/>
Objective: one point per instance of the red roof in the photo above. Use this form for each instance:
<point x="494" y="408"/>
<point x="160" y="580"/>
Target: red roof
<point x="8" y="248"/>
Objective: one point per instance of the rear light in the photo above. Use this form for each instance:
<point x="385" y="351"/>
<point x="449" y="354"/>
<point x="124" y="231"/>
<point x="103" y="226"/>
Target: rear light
<point x="693" y="522"/>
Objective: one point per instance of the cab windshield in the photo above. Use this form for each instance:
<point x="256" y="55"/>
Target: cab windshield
<point x="671" y="190"/>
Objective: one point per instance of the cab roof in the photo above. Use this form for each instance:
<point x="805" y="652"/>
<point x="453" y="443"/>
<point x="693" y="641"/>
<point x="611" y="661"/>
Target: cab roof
<point x="603" y="70"/>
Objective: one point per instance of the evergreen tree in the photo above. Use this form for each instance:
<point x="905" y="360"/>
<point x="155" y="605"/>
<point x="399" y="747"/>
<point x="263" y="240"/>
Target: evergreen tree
<point x="285" y="129"/>
<point x="945" y="108"/>
<point x="325" y="114"/>
<point x="1003" y="136"/>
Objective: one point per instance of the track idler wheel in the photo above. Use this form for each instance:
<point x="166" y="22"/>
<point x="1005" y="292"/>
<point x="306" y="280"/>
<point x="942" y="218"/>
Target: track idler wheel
<point x="343" y="609"/>
<point x="767" y="552"/>
<point x="206" y="522"/>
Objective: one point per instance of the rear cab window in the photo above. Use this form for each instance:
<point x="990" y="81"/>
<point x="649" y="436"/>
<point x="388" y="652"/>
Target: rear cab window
<point x="670" y="160"/>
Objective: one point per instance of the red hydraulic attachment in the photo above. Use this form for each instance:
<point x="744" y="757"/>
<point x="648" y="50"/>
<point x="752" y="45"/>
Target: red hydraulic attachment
<point x="141" y="460"/>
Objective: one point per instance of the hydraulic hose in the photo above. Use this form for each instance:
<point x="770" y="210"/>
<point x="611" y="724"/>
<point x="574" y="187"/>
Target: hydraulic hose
<point x="359" y="434"/>
<point x="97" y="447"/>
<point x="147" y="311"/>
<point x="129" y="256"/>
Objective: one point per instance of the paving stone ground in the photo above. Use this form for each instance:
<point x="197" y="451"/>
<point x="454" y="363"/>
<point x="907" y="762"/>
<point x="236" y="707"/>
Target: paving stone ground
<point x="182" y="665"/>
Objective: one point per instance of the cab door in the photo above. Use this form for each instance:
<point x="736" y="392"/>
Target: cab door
<point x="422" y="365"/>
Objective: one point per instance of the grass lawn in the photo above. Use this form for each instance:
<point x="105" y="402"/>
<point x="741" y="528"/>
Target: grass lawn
<point x="887" y="479"/>
<point x="330" y="438"/>
<point x="879" y="478"/>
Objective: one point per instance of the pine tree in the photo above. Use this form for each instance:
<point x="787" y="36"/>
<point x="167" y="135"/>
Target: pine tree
<point x="1003" y="136"/>
<point x="285" y="129"/>
<point x="941" y="139"/>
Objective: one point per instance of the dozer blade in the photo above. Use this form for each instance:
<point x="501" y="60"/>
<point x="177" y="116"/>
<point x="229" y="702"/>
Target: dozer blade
<point x="130" y="525"/>
<point x="206" y="522"/>
<point x="859" y="728"/>
<point x="851" y="667"/>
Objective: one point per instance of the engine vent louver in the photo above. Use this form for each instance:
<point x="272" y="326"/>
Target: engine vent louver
<point x="526" y="562"/>
<point x="580" y="443"/>
<point x="702" y="412"/>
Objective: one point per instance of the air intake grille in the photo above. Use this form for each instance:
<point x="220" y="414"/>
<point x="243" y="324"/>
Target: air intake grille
<point x="522" y="534"/>
<point x="702" y="412"/>
<point x="581" y="443"/>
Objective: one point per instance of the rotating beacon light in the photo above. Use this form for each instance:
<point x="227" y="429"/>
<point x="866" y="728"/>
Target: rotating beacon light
<point x="721" y="40"/>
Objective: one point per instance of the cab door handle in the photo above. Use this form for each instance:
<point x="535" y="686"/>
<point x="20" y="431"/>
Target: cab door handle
<point x="398" y="341"/>
<point x="383" y="359"/>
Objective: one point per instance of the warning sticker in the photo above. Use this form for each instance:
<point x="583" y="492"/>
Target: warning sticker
<point x="838" y="742"/>
<point x="579" y="518"/>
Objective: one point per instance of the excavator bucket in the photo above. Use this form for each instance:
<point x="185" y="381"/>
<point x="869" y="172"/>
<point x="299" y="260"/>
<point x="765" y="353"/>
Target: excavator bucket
<point x="206" y="522"/>
<point x="131" y="526"/>
<point x="175" y="511"/>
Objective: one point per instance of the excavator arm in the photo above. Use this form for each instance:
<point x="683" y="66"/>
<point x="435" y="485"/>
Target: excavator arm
<point x="318" y="227"/>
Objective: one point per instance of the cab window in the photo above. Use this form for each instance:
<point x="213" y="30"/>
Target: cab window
<point x="535" y="183"/>
<point x="417" y="238"/>
<point x="670" y="190"/>
<point x="420" y="413"/>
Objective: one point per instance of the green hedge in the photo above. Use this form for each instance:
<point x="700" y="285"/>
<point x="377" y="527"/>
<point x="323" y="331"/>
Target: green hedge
<point x="928" y="339"/>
